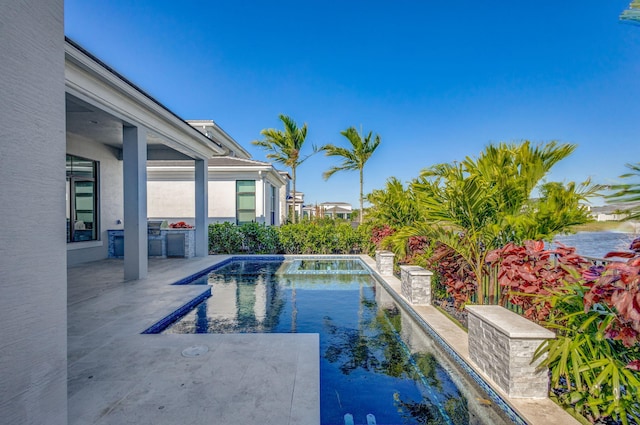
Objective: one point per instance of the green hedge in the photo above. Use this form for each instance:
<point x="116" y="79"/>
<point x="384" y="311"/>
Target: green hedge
<point x="308" y="237"/>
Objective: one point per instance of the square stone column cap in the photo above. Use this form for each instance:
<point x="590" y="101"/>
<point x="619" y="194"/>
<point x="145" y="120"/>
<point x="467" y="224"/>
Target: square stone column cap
<point x="416" y="270"/>
<point x="409" y="267"/>
<point x="511" y="324"/>
<point x="385" y="253"/>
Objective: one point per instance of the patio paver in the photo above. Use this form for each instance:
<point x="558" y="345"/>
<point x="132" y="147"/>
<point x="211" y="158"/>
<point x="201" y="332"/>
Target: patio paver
<point x="116" y="375"/>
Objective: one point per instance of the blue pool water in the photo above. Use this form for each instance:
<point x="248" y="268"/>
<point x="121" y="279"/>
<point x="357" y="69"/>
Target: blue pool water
<point x="375" y="358"/>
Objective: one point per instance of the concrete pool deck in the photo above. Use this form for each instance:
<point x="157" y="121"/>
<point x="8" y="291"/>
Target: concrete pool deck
<point x="116" y="375"/>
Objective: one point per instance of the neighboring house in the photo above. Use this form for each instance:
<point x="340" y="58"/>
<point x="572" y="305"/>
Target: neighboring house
<point x="240" y="191"/>
<point x="612" y="212"/>
<point x="299" y="196"/>
<point x="340" y="210"/>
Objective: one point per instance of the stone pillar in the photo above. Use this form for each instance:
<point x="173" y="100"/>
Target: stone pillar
<point x="202" y="207"/>
<point x="134" y="155"/>
<point x="416" y="284"/>
<point x="384" y="262"/>
<point x="501" y="344"/>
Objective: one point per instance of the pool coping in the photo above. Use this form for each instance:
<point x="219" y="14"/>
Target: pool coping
<point x="454" y="340"/>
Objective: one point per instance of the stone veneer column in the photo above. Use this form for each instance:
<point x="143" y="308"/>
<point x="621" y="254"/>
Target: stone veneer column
<point x="416" y="284"/>
<point x="501" y="344"/>
<point x="384" y="262"/>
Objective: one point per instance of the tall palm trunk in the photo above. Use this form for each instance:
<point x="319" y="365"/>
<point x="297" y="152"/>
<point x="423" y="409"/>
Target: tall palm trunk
<point x="361" y="195"/>
<point x="293" y="172"/>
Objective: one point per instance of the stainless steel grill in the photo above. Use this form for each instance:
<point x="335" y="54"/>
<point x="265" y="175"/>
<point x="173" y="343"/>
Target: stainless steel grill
<point x="153" y="228"/>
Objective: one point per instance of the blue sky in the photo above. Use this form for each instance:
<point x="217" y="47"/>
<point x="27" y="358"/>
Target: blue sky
<point x="437" y="80"/>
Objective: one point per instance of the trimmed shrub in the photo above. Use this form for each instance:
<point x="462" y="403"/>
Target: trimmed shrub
<point x="224" y="238"/>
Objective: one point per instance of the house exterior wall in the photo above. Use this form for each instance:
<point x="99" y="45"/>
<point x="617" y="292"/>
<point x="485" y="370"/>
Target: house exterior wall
<point x="172" y="198"/>
<point x="110" y="189"/>
<point x="33" y="283"/>
<point x="222" y="200"/>
<point x="176" y="199"/>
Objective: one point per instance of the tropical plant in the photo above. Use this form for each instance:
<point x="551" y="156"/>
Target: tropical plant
<point x="453" y="274"/>
<point x="590" y="373"/>
<point x="394" y="206"/>
<point x="632" y="14"/>
<point x="629" y="192"/>
<point x="529" y="272"/>
<point x="595" y="311"/>
<point x="481" y="204"/>
<point x="353" y="159"/>
<point x="285" y="147"/>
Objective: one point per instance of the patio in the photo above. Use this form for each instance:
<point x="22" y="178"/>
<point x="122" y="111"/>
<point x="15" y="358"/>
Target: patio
<point x="116" y="375"/>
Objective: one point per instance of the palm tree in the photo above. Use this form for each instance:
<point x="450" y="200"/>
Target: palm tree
<point x="285" y="147"/>
<point x="482" y="203"/>
<point x="352" y="159"/>
<point x="629" y="193"/>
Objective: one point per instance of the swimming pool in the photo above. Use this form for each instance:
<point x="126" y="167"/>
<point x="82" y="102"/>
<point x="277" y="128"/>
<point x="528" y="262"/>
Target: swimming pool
<point x="375" y="357"/>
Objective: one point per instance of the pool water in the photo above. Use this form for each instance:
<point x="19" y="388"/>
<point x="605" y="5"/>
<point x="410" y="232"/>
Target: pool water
<point x="375" y="359"/>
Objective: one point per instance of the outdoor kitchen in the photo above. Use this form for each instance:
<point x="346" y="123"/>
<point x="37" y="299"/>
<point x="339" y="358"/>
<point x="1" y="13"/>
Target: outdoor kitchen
<point x="164" y="240"/>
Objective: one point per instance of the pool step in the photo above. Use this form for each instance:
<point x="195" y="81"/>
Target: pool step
<point x="348" y="419"/>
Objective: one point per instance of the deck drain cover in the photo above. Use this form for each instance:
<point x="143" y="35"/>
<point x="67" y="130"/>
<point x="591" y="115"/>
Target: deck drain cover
<point x="195" y="351"/>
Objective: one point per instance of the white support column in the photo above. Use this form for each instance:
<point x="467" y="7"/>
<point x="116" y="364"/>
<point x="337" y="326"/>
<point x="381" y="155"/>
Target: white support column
<point x="202" y="207"/>
<point x="265" y="200"/>
<point x="134" y="154"/>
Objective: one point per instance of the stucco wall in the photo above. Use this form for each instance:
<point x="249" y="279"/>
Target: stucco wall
<point x="174" y="199"/>
<point x="222" y="201"/>
<point x="33" y="283"/>
<point x="110" y="196"/>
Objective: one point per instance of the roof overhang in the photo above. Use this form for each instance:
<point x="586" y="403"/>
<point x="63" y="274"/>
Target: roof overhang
<point x="99" y="89"/>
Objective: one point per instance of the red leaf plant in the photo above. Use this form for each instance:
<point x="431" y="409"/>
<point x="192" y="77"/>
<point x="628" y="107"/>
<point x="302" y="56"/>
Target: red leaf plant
<point x="525" y="273"/>
<point x="379" y="233"/>
<point x="618" y="286"/>
<point x="416" y="247"/>
<point x="455" y="274"/>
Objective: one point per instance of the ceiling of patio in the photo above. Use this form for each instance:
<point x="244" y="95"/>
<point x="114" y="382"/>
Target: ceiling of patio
<point x="86" y="120"/>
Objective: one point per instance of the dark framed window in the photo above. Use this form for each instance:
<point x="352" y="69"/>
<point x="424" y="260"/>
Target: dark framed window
<point x="82" y="199"/>
<point x="245" y="201"/>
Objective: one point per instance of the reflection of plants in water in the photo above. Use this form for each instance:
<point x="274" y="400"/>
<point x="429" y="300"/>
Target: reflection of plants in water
<point x="351" y="348"/>
<point x="420" y="413"/>
<point x="427" y="365"/>
<point x="454" y="411"/>
<point x="379" y="349"/>
<point x="457" y="409"/>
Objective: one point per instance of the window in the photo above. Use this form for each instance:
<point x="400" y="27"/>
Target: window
<point x="245" y="201"/>
<point x="273" y="204"/>
<point x="82" y="199"/>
